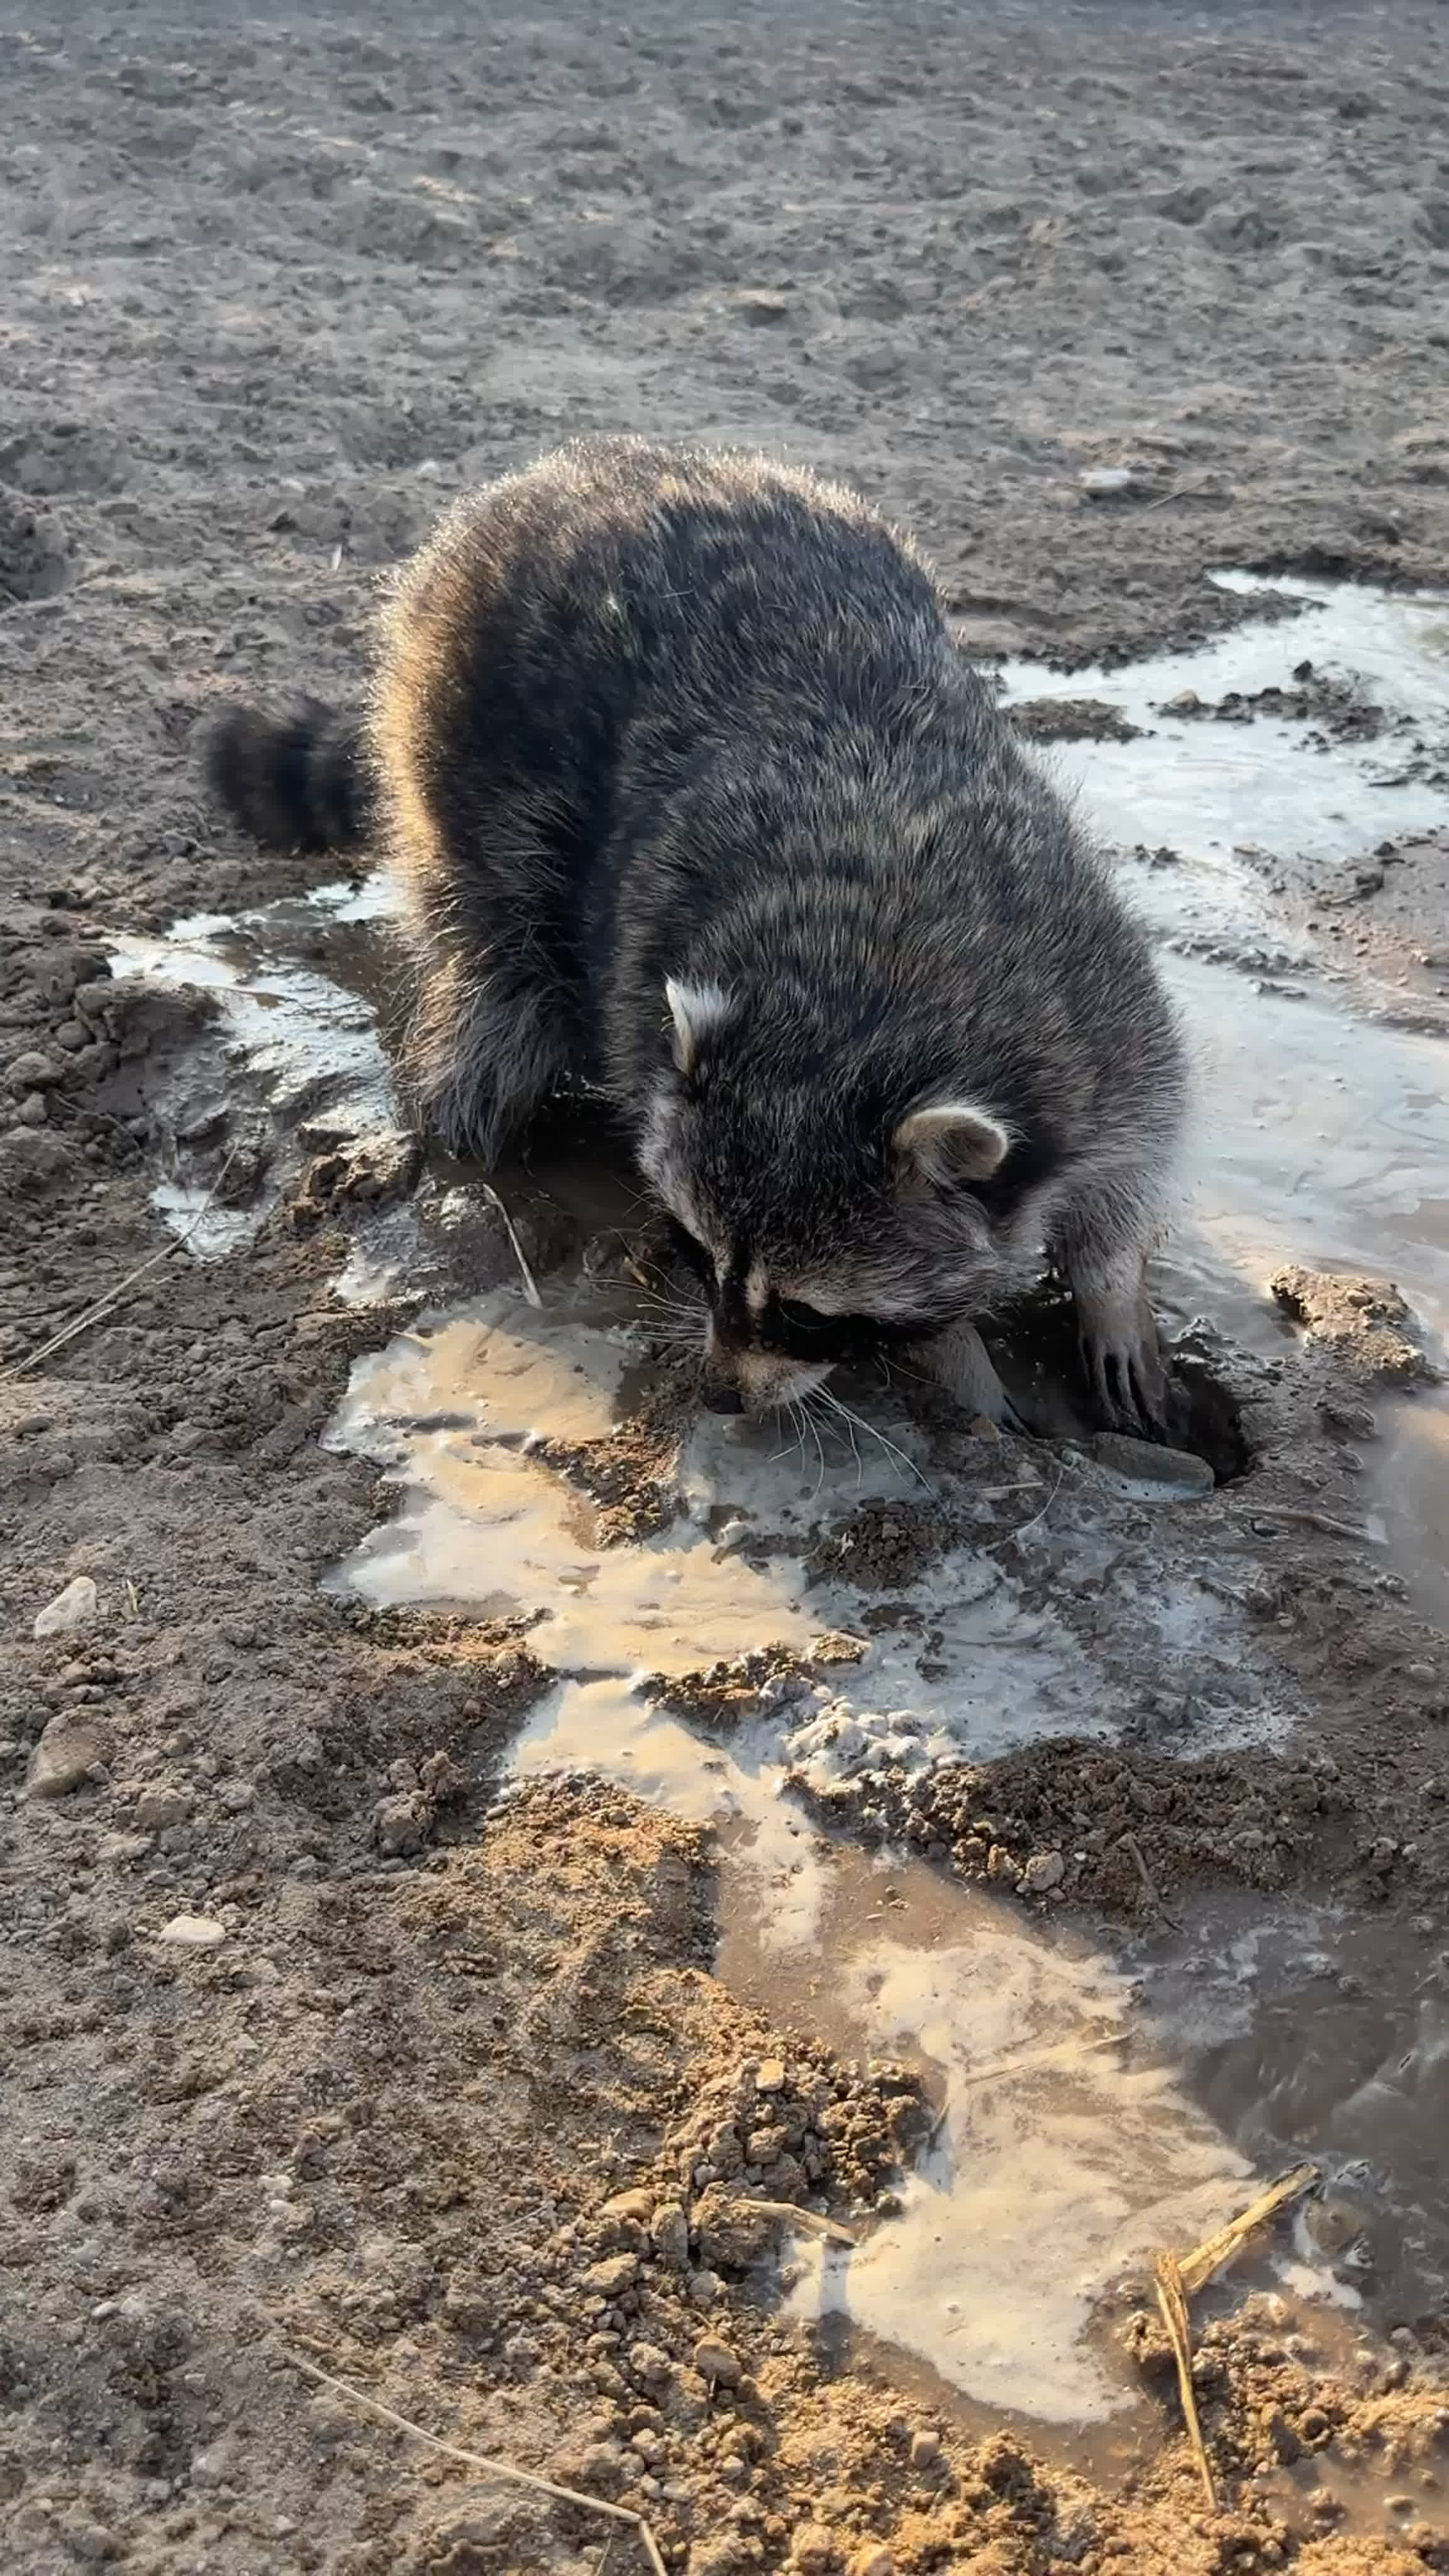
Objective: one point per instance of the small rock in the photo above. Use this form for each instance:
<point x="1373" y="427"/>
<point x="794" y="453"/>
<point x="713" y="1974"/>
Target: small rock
<point x="71" y="1036"/>
<point x="705" y="2288"/>
<point x="70" y="1608"/>
<point x="669" y="2230"/>
<point x="835" y="1647"/>
<point x="1150" y="1471"/>
<point x="1044" y="1870"/>
<point x="1113" y="483"/>
<point x="770" y="2075"/>
<point x="192" y="1932"/>
<point x="813" y="2550"/>
<point x="716" y="2363"/>
<point x="925" y="2448"/>
<point x="32" y="1111"/>
<point x="401" y="1826"/>
<point x="761" y="305"/>
<point x="609" y="2279"/>
<point x="872" y="2561"/>
<point x="650" y="2364"/>
<point x="635" y="2205"/>
<point x="33" y="1071"/>
<point x="160" y="1807"/>
<point x="122" y="1848"/>
<point x="64" y="1758"/>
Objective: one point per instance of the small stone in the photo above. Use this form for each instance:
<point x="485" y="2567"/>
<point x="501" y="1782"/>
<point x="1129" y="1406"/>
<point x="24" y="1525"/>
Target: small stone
<point x="669" y="2230"/>
<point x="1043" y="1871"/>
<point x="813" y="2551"/>
<point x="715" y="2362"/>
<point x="925" y="2448"/>
<point x="1001" y="1866"/>
<point x="192" y="1932"/>
<point x="32" y="1110"/>
<point x="872" y="2561"/>
<point x="33" y="1071"/>
<point x="609" y="2279"/>
<point x="650" y="2364"/>
<point x="705" y="2288"/>
<point x="70" y="1608"/>
<point x="160" y="1807"/>
<point x="835" y="1647"/>
<point x="236" y="1796"/>
<point x="635" y="2205"/>
<point x="122" y="1848"/>
<point x="761" y="305"/>
<point x="71" y="1036"/>
<point x="64" y="1758"/>
<point x="770" y="2075"/>
<point x="401" y="1826"/>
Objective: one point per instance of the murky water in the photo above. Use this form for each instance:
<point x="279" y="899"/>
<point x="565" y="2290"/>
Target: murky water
<point x="1092" y="2111"/>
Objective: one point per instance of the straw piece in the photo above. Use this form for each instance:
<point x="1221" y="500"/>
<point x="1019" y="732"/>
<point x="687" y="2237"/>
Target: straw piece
<point x="530" y="1284"/>
<point x="488" y="2468"/>
<point x="1199" y="2266"/>
<point x="1171" y="2299"/>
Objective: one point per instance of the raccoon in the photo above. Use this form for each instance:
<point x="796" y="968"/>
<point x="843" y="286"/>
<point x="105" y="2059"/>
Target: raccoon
<point x="689" y="795"/>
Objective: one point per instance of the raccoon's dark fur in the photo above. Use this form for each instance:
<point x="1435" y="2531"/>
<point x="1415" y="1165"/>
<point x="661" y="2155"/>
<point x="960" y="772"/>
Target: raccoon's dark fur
<point x="688" y="792"/>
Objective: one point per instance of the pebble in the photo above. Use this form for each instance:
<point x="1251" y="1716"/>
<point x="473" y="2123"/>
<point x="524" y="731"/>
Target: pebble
<point x="70" y="1608"/>
<point x="649" y="2364"/>
<point x="770" y="2075"/>
<point x="925" y="2448"/>
<point x="872" y="2562"/>
<point x="716" y="2363"/>
<point x="1043" y="1871"/>
<point x="160" y="1807"/>
<point x="705" y="2288"/>
<point x="669" y="2229"/>
<point x="606" y="2280"/>
<point x="64" y="1758"/>
<point x="192" y="1932"/>
<point x="813" y="2549"/>
<point x="33" y="1071"/>
<point x="635" y="2205"/>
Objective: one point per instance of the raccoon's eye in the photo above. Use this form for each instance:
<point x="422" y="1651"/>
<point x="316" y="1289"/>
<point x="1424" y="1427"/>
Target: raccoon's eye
<point x="801" y="1319"/>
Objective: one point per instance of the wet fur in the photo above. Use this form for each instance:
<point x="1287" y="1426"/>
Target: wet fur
<point x="644" y="716"/>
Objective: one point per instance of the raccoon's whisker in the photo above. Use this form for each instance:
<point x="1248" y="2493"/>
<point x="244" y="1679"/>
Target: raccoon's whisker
<point x="793" y="1409"/>
<point x="849" y="1419"/>
<point x="889" y="1446"/>
<point x="814" y="1430"/>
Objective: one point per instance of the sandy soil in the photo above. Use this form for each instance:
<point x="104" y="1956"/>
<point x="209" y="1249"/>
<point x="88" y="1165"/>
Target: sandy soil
<point x="271" y="289"/>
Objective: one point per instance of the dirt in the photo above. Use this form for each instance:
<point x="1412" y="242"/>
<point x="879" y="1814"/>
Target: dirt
<point x="273" y="292"/>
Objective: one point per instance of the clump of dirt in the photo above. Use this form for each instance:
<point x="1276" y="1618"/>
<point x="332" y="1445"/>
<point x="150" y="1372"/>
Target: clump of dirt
<point x="1334" y="709"/>
<point x="629" y="1478"/>
<point x="1363" y="1325"/>
<point x="1126" y="1830"/>
<point x="1072" y="720"/>
<point x="34" y="558"/>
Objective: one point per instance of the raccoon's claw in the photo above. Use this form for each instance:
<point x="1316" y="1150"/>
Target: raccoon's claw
<point x="1128" y="1379"/>
<point x="959" y="1361"/>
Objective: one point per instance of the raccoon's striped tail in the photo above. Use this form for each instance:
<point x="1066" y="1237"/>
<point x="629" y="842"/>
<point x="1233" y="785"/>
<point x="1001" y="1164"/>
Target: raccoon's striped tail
<point x="296" y="782"/>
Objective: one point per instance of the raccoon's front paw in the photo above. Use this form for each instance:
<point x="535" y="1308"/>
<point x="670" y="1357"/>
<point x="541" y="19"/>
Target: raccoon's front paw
<point x="960" y="1362"/>
<point x="1125" y="1367"/>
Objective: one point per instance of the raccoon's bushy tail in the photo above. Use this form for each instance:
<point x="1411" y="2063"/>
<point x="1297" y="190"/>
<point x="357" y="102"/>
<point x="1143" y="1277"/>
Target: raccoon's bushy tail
<point x="295" y="782"/>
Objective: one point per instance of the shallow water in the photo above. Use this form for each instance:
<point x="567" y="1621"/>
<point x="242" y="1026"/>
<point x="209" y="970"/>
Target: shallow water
<point x="1091" y="2111"/>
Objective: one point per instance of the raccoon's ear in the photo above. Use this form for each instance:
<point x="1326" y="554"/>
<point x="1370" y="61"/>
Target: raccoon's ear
<point x="949" y="1144"/>
<point x="696" y="1010"/>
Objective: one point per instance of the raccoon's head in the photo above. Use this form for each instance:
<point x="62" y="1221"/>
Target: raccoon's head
<point x="828" y="1209"/>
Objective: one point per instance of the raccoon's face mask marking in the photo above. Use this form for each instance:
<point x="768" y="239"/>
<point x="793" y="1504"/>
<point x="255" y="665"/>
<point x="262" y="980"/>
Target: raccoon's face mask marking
<point x="814" y="1244"/>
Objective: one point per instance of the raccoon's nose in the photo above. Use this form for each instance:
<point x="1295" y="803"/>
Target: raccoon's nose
<point x="724" y="1399"/>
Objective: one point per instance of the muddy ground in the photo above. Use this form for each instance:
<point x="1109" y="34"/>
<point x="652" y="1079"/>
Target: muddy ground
<point x="271" y="289"/>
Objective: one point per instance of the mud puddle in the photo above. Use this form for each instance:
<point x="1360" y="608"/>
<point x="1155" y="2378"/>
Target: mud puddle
<point x="1087" y="2117"/>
